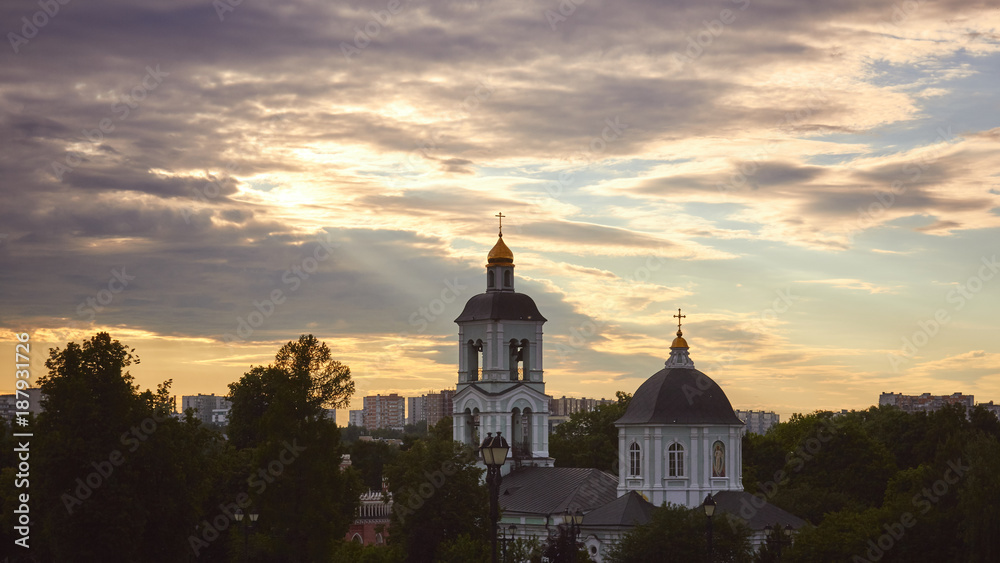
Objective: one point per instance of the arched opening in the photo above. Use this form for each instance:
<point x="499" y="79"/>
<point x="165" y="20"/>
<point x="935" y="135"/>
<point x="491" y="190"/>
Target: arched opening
<point x="378" y="539"/>
<point x="525" y="436"/>
<point x="519" y="360"/>
<point x="514" y="357"/>
<point x="508" y="279"/>
<point x="356" y="538"/>
<point x="490" y="279"/>
<point x="523" y="355"/>
<point x="474" y="356"/>
<point x="472" y="427"/>
<point x="515" y="433"/>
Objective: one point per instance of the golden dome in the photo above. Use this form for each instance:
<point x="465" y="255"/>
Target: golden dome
<point x="500" y="255"/>
<point x="679" y="342"/>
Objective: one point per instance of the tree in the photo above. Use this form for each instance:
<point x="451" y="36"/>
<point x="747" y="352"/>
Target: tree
<point x="677" y="533"/>
<point x="303" y="380"/>
<point x="369" y="458"/>
<point x="560" y="547"/>
<point x="438" y="495"/>
<point x="112" y="470"/>
<point x="306" y="503"/>
<point x="590" y="439"/>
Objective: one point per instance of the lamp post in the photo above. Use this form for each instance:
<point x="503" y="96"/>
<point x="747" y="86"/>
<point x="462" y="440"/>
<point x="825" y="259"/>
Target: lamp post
<point x="251" y="521"/>
<point x="494" y="450"/>
<point x="505" y="539"/>
<point x="779" y="537"/>
<point x="709" y="506"/>
<point x="574" y="519"/>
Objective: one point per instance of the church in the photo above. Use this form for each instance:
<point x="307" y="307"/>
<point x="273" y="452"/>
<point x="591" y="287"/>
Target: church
<point x="678" y="442"/>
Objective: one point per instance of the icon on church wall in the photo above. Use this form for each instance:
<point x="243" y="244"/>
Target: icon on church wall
<point x="718" y="459"/>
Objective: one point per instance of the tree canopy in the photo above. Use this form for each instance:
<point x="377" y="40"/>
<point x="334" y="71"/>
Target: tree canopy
<point x="589" y="438"/>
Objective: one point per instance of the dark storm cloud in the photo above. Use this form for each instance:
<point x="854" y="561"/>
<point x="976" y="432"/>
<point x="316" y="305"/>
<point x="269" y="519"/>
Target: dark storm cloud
<point x="185" y="95"/>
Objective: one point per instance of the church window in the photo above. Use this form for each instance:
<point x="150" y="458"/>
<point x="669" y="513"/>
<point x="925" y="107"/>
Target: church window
<point x="507" y="278"/>
<point x="634" y="460"/>
<point x="675" y="460"/>
<point x="490" y="281"/>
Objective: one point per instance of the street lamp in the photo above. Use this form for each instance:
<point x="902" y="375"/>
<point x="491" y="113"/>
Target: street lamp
<point x="574" y="519"/>
<point x="494" y="450"/>
<point x="504" y="539"/>
<point x="251" y="521"/>
<point x="709" y="506"/>
<point x="779" y="536"/>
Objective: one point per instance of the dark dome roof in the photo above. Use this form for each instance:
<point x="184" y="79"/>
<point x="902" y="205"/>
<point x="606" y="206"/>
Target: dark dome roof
<point x="499" y="305"/>
<point x="679" y="396"/>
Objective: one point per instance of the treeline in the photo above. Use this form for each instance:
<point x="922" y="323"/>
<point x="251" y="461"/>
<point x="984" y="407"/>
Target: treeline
<point x="115" y="477"/>
<point x="883" y="484"/>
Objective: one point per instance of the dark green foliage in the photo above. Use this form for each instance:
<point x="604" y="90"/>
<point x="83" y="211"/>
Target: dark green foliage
<point x="98" y="427"/>
<point x="369" y="458"/>
<point x="679" y="534"/>
<point x="306" y="503"/>
<point x="812" y="463"/>
<point x="351" y="552"/>
<point x="884" y="485"/>
<point x="560" y="547"/>
<point x="437" y="496"/>
<point x="590" y="439"/>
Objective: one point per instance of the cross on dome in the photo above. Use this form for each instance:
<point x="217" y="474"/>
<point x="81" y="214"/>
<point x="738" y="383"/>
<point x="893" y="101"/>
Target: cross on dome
<point x="501" y="216"/>
<point x="679" y="316"/>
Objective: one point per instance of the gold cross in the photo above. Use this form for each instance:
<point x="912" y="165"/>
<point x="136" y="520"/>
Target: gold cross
<point x="501" y="216"/>
<point x="679" y="316"/>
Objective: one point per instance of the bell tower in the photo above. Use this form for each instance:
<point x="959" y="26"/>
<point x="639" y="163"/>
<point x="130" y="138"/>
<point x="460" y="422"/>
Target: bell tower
<point x="501" y="387"/>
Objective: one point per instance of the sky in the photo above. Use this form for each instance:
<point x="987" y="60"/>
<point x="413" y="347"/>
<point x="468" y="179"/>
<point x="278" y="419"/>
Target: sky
<point x="815" y="185"/>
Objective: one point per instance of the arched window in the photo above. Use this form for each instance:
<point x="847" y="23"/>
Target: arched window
<point x="634" y="460"/>
<point x="378" y="539"/>
<point x="357" y="538"/>
<point x="675" y="460"/>
<point x="490" y="279"/>
<point x="507" y="278"/>
<point x="475" y="351"/>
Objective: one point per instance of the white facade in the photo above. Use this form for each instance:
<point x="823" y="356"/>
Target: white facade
<point x="695" y="471"/>
<point x="501" y="384"/>
<point x="683" y="442"/>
